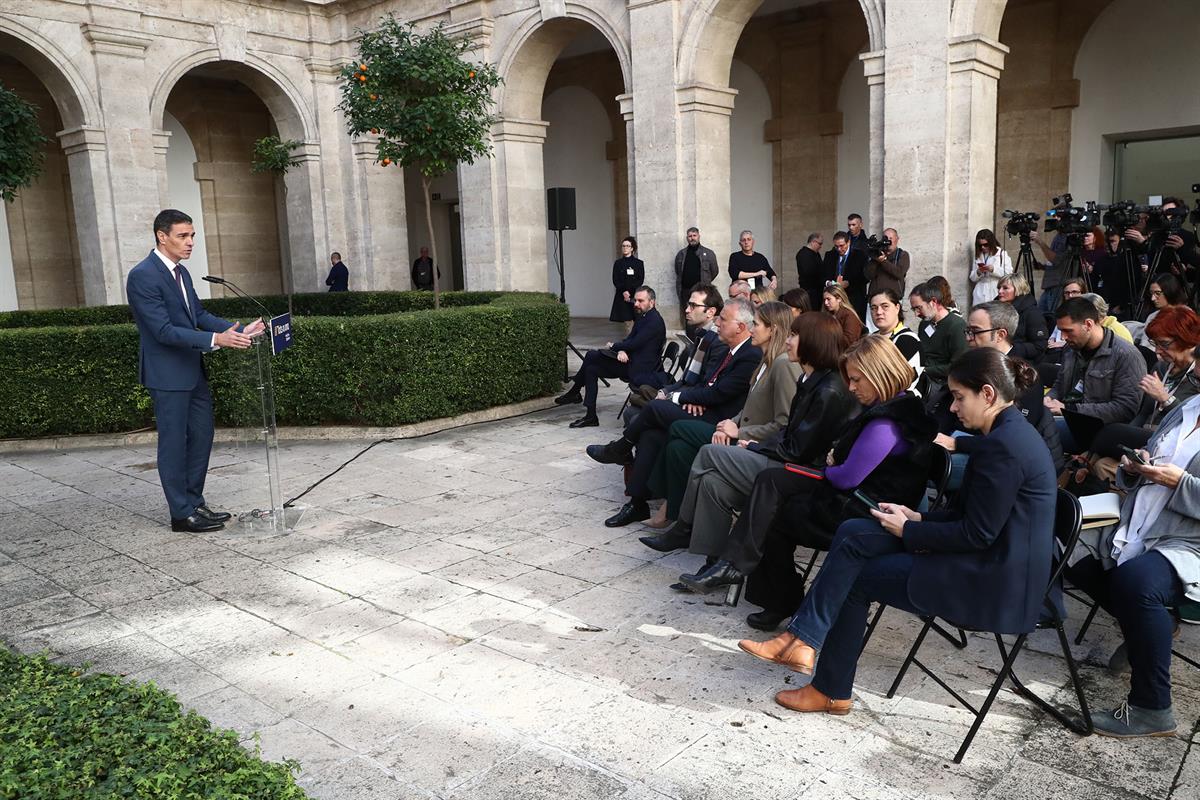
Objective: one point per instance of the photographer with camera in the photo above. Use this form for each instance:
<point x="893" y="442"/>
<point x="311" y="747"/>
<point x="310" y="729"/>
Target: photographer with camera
<point x="887" y="264"/>
<point x="991" y="263"/>
<point x="1165" y="242"/>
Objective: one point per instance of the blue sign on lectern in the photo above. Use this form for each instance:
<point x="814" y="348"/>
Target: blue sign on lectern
<point x="281" y="333"/>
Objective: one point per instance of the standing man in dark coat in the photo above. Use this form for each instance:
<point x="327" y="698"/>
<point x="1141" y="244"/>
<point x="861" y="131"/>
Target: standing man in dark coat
<point x="858" y="236"/>
<point x="693" y="264"/>
<point x="847" y="268"/>
<point x="339" y="275"/>
<point x="809" y="270"/>
<point x="174" y="331"/>
<point x="422" y="272"/>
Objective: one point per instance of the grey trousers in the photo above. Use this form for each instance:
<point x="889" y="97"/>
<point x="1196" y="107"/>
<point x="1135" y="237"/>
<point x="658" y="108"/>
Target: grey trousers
<point x="718" y="485"/>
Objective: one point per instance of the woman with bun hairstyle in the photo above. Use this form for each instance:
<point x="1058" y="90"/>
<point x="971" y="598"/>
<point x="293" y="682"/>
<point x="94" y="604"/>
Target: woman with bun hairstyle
<point x="983" y="563"/>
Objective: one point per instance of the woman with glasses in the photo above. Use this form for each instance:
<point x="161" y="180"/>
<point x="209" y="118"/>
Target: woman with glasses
<point x="628" y="273"/>
<point x="1029" y="339"/>
<point x="1165" y="290"/>
<point x="837" y="302"/>
<point x="989" y="265"/>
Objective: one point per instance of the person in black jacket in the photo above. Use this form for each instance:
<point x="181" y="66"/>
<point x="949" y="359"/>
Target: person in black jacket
<point x="628" y="273"/>
<point x="634" y="358"/>
<point x="984" y="563"/>
<point x="423" y="272"/>
<point x="809" y="271"/>
<point x="847" y="268"/>
<point x="719" y="395"/>
<point x="721" y="476"/>
<point x="339" y="275"/>
<point x="1029" y="339"/>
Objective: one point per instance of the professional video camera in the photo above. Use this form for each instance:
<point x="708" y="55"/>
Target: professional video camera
<point x="877" y="246"/>
<point x="1020" y="223"/>
<point x="1120" y="217"/>
<point x="1073" y="221"/>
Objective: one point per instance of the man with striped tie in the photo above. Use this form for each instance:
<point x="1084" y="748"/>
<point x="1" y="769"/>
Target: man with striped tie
<point x="174" y="331"/>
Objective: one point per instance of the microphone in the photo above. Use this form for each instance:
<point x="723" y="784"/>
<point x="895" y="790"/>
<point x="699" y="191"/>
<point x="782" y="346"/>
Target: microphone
<point x="239" y="292"/>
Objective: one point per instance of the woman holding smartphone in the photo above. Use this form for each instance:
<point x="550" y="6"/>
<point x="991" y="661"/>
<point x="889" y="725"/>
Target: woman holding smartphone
<point x="991" y="263"/>
<point x="1147" y="564"/>
<point x="983" y="563"/>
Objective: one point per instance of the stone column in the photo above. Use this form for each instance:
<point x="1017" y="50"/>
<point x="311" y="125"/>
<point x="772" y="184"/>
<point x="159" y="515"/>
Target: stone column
<point x="873" y="67"/>
<point x="625" y="101"/>
<point x="307" y="252"/>
<point x="383" y="243"/>
<point x="341" y="221"/>
<point x="704" y="190"/>
<point x="95" y="220"/>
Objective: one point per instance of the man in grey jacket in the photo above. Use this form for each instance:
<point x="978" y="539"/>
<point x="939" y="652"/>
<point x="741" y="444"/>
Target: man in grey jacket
<point x="693" y="264"/>
<point x="1101" y="373"/>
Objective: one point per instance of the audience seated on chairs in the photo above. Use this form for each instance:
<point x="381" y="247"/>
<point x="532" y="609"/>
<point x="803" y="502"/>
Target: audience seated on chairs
<point x="719" y="395"/>
<point x="990" y="325"/>
<point x="1108" y="321"/>
<point x="703" y="305"/>
<point x="942" y="333"/>
<point x="1029" y="339"/>
<point x="888" y="315"/>
<point x="762" y="295"/>
<point x="1148" y="563"/>
<point x="765" y="413"/>
<point x="1175" y="333"/>
<point x="634" y="358"/>
<point x="797" y="300"/>
<point x="1101" y="373"/>
<point x="984" y="563"/>
<point x="884" y="452"/>
<point x="740" y="289"/>
<point x="1048" y="365"/>
<point x="720" y="478"/>
<point x="837" y="303"/>
<point x="1164" y="290"/>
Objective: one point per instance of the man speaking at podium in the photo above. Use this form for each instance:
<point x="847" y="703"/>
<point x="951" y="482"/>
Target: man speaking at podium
<point x="174" y="331"/>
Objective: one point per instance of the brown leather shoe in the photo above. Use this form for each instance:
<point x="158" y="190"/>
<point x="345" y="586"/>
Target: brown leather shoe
<point x="809" y="699"/>
<point x="784" y="649"/>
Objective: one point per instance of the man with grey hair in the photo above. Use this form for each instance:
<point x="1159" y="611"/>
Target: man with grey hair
<point x="739" y="289"/>
<point x="718" y="395"/>
<point x="747" y="265"/>
<point x="694" y="264"/>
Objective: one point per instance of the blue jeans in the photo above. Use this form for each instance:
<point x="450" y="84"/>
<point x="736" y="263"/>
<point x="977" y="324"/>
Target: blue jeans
<point x="958" y="465"/>
<point x="1139" y="594"/>
<point x="1069" y="445"/>
<point x="864" y="563"/>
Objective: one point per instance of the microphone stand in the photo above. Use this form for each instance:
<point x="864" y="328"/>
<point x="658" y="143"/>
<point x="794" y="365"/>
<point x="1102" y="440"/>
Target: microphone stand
<point x="276" y="514"/>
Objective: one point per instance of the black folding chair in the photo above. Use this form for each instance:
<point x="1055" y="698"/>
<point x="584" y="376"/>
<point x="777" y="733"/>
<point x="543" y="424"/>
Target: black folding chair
<point x="1067" y="521"/>
<point x="1094" y="607"/>
<point x="670" y="360"/>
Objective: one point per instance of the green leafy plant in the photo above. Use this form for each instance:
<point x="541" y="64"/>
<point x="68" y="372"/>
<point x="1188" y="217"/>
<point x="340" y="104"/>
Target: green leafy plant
<point x="274" y="155"/>
<point x="428" y="105"/>
<point x="359" y="358"/>
<point x="66" y="734"/>
<point x="22" y="145"/>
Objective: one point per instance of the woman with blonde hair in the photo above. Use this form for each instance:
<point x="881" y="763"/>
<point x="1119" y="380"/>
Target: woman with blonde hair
<point x="883" y="453"/>
<point x="764" y="414"/>
<point x="1029" y="339"/>
<point x="837" y="302"/>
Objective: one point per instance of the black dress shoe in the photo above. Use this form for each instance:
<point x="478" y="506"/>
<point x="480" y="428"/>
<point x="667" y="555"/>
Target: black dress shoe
<point x="195" y="524"/>
<point x="209" y="514"/>
<point x="718" y="576"/>
<point x="765" y="620"/>
<point x="677" y="537"/>
<point x="618" y="451"/>
<point x="569" y="398"/>
<point x="586" y="421"/>
<point x="633" y="511"/>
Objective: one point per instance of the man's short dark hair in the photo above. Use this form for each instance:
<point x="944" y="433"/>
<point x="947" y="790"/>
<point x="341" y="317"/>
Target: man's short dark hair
<point x="929" y="292"/>
<point x="336" y="254"/>
<point x="649" y="292"/>
<point x="854" y="216"/>
<point x="812" y="237"/>
<point x="843" y="235"/>
<point x="1078" y="309"/>
<point x="712" y="296"/>
<point x="1175" y="201"/>
<point x="693" y="229"/>
<point x="167" y="218"/>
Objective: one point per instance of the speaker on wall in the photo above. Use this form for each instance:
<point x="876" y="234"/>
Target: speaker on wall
<point x="560" y="208"/>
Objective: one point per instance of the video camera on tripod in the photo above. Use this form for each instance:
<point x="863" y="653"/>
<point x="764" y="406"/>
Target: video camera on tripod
<point x="1020" y="223"/>
<point x="1072" y="221"/>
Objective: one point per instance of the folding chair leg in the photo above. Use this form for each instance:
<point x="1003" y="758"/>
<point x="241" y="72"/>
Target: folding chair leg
<point x="808" y="568"/>
<point x="987" y="704"/>
<point x="871" y="626"/>
<point x="1086" y="623"/>
<point x="1185" y="659"/>
<point x="912" y="655"/>
<point x="623" y="407"/>
<point x="959" y="641"/>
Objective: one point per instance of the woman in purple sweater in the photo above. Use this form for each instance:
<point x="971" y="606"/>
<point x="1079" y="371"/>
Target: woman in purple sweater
<point x="884" y="452"/>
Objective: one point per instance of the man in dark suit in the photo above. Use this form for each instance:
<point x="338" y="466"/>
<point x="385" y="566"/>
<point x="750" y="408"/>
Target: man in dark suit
<point x="174" y="331"/>
<point x="847" y="267"/>
<point x="422" y="272"/>
<point x="809" y="270"/>
<point x="635" y="358"/>
<point x="339" y="274"/>
<point x="720" y="395"/>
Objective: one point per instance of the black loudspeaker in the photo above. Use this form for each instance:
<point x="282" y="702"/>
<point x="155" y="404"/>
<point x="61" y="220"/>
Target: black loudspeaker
<point x="560" y="208"/>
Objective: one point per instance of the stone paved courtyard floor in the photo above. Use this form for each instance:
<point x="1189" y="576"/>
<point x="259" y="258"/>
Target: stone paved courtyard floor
<point x="451" y="619"/>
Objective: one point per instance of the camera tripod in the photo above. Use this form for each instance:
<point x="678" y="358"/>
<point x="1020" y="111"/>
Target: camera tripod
<point x="1025" y="260"/>
<point x="1073" y="269"/>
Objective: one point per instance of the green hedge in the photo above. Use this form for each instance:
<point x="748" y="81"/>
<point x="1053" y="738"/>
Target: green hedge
<point x="327" y="304"/>
<point x="67" y="735"/>
<point x="382" y="369"/>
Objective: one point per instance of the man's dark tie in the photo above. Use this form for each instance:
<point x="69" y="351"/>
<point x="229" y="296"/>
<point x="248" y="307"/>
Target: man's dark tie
<point x="841" y="263"/>
<point x="720" y="369"/>
<point x="183" y="291"/>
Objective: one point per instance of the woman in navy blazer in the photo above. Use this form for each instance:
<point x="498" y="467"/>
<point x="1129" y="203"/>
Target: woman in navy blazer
<point x="984" y="563"/>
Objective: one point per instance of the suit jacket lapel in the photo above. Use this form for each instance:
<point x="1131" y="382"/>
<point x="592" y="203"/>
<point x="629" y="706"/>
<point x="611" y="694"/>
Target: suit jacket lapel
<point x="173" y="289"/>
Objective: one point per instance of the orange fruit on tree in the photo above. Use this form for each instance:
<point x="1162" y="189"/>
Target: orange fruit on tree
<point x="373" y="97"/>
<point x="386" y="161"/>
<point x="362" y="78"/>
<point x="471" y="74"/>
<point x="362" y="67"/>
<point x="375" y="130"/>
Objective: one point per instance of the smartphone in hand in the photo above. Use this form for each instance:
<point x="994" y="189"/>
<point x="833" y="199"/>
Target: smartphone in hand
<point x="861" y="497"/>
<point x="1134" y="456"/>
